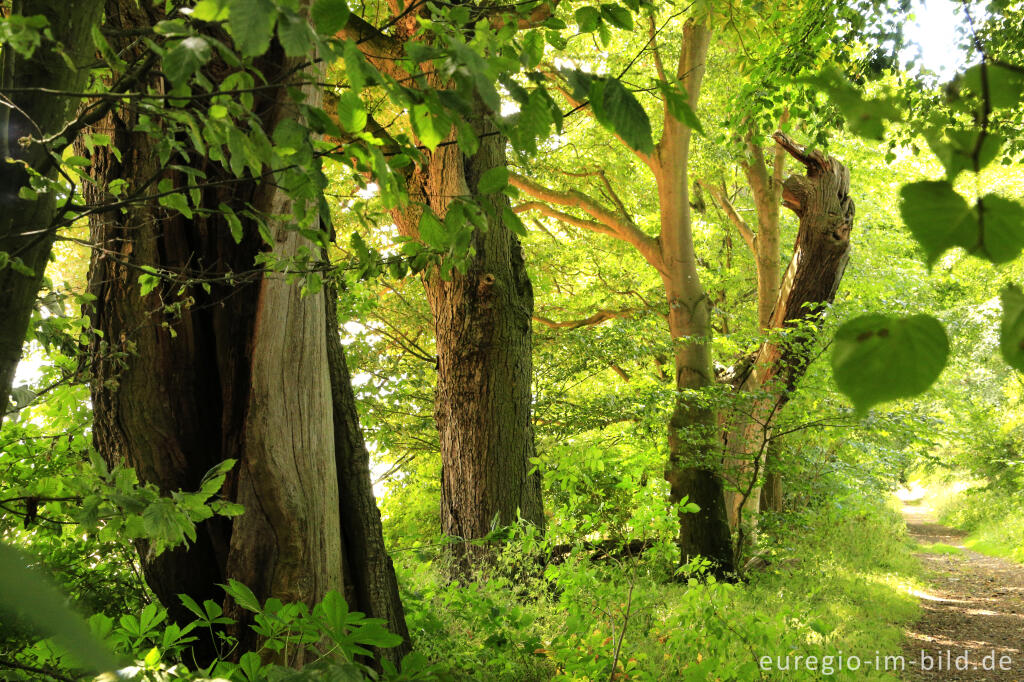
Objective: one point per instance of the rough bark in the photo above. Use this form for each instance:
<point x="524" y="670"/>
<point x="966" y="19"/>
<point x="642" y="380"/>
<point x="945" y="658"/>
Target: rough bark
<point x="482" y="325"/>
<point x="26" y="225"/>
<point x="821" y="200"/>
<point x="369" y="576"/>
<point x="248" y="370"/>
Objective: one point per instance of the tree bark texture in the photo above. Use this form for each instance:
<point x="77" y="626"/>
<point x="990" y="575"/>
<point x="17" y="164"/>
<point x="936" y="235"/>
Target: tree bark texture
<point x="821" y="200"/>
<point x="26" y="226"/>
<point x="249" y="370"/>
<point x="482" y="325"/>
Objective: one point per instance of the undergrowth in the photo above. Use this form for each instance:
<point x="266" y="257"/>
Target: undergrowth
<point x="836" y="588"/>
<point x="993" y="517"/>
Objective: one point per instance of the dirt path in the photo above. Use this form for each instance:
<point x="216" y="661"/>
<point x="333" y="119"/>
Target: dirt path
<point x="974" y="604"/>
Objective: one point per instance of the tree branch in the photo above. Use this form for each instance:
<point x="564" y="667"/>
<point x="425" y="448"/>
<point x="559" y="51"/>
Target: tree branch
<point x="618" y="226"/>
<point x="595" y="319"/>
<point x="719" y="195"/>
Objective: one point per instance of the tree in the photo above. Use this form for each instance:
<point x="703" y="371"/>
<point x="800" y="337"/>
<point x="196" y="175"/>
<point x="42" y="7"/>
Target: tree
<point x="694" y="469"/>
<point x="209" y="349"/>
<point x="32" y="127"/>
<point x="482" y="306"/>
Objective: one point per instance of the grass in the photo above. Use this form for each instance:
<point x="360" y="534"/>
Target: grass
<point x="939" y="548"/>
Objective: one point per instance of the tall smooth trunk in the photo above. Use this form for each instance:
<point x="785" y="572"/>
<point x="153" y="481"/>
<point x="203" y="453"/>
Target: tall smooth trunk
<point x="691" y="471"/>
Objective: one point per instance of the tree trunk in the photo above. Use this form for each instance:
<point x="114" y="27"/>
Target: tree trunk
<point x="26" y="230"/>
<point x="249" y="370"/>
<point x="691" y="471"/>
<point x="369" y="576"/>
<point x="482" y="324"/>
<point x="822" y="202"/>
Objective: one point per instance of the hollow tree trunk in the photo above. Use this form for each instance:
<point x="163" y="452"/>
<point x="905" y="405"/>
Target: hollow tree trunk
<point x="251" y="371"/>
<point x="482" y="324"/>
<point x="26" y="225"/>
<point x="691" y="470"/>
<point x="821" y="200"/>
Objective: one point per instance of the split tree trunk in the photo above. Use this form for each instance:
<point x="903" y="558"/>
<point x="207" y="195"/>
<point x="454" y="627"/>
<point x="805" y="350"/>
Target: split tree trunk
<point x="821" y="200"/>
<point x="251" y="371"/>
<point x="482" y="324"/>
<point x="26" y="230"/>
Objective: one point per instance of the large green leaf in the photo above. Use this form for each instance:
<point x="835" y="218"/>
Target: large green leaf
<point x="587" y="19"/>
<point x="1011" y="329"/>
<point x="251" y="23"/>
<point x="938" y="217"/>
<point x="1002" y="228"/>
<point x="185" y="58"/>
<point x="295" y="34"/>
<point x="25" y="593"/>
<point x="351" y="112"/>
<point x="618" y="16"/>
<point x="876" y="358"/>
<point x="618" y="110"/>
<point x="330" y="16"/>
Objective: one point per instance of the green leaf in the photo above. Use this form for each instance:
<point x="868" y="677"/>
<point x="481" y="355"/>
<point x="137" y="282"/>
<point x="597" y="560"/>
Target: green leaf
<point x="533" y="49"/>
<point x="618" y="110"/>
<point x="26" y="593"/>
<point x="865" y="117"/>
<point x="1005" y="86"/>
<point x="938" y="217"/>
<point x="330" y="16"/>
<point x="295" y="34"/>
<point x="242" y="595"/>
<point x="679" y="106"/>
<point x="177" y="202"/>
<point x="876" y="358"/>
<point x="351" y="112"/>
<point x="427" y="127"/>
<point x="618" y="16"/>
<point x="493" y="180"/>
<point x="512" y="221"/>
<point x="432" y="232"/>
<point x="1011" y="328"/>
<point x="185" y="58"/>
<point x="1002" y="228"/>
<point x="251" y="24"/>
<point x="234" y="223"/>
<point x="587" y="19"/>
<point x="210" y="10"/>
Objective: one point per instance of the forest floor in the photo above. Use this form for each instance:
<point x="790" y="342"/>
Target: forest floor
<point x="972" y="622"/>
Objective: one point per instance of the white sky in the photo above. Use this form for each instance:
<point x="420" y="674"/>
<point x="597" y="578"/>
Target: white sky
<point x="934" y="31"/>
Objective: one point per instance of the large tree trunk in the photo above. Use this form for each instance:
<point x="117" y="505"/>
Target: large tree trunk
<point x="821" y="200"/>
<point x="250" y="370"/>
<point x="26" y="230"/>
<point x="482" y="323"/>
<point x="369" y="576"/>
<point x="691" y="471"/>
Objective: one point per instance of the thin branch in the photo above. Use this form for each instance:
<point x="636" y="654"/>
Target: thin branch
<point x="618" y="226"/>
<point x="722" y="200"/>
<point x="595" y="319"/>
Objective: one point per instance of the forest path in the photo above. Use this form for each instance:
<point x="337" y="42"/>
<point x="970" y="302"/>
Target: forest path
<point x="974" y="603"/>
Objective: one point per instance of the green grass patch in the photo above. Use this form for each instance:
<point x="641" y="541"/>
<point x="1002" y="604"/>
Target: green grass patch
<point x="938" y="548"/>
